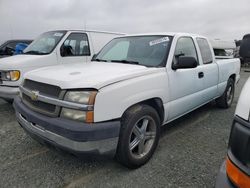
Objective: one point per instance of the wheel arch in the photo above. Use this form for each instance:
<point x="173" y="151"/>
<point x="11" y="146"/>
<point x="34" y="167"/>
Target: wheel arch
<point x="233" y="76"/>
<point x="156" y="103"/>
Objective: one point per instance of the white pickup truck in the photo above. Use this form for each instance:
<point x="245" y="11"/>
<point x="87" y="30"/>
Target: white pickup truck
<point x="50" y="48"/>
<point x="118" y="102"/>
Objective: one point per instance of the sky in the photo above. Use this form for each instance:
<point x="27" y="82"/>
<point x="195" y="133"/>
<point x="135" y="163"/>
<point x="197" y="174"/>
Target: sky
<point x="220" y="19"/>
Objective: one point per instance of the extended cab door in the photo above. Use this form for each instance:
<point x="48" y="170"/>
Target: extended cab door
<point x="185" y="85"/>
<point x="75" y="48"/>
<point x="209" y="69"/>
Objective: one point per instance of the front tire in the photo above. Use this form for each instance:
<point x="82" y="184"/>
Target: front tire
<point x="226" y="100"/>
<point x="139" y="136"/>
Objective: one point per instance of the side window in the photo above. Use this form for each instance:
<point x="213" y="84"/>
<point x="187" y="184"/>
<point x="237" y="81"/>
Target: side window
<point x="118" y="52"/>
<point x="12" y="45"/>
<point x="9" y="48"/>
<point x="76" y="45"/>
<point x="205" y="50"/>
<point x="185" y="47"/>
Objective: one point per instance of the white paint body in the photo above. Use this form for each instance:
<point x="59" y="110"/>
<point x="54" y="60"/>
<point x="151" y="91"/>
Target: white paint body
<point x="25" y="63"/>
<point x="122" y="85"/>
<point x="243" y="106"/>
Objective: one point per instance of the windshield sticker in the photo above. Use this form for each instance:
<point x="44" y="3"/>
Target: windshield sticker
<point x="158" y="41"/>
<point x="58" y="34"/>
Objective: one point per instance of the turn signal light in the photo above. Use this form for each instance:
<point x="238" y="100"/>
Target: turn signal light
<point x="239" y="178"/>
<point x="90" y="117"/>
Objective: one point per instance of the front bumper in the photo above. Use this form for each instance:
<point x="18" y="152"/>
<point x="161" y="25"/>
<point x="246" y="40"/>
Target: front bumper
<point x="7" y="92"/>
<point x="222" y="180"/>
<point x="74" y="137"/>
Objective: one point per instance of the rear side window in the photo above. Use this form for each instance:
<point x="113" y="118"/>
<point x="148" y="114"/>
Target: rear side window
<point x="205" y="50"/>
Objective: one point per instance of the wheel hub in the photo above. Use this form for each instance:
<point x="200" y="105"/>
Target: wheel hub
<point x="142" y="137"/>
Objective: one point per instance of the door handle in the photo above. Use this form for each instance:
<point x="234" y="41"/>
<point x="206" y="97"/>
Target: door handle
<point x="201" y="74"/>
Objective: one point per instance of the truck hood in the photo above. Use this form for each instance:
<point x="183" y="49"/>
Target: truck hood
<point x="243" y="106"/>
<point x="88" y="75"/>
<point x="18" y="61"/>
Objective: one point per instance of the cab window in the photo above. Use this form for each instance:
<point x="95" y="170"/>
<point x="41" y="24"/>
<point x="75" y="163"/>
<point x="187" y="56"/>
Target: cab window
<point x="76" y="45"/>
<point x="185" y="47"/>
<point x="205" y="50"/>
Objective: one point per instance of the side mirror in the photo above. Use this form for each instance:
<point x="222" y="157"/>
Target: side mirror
<point x="66" y="51"/>
<point x="185" y="62"/>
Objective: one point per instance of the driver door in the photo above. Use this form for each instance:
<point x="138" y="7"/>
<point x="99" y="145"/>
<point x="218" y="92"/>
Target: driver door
<point x="185" y="85"/>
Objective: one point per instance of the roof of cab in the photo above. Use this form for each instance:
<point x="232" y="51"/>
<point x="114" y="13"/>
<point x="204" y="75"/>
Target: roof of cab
<point x="83" y="30"/>
<point x="165" y="33"/>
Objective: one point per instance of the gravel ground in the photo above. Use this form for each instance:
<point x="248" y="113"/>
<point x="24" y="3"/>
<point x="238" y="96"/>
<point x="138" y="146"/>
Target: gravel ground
<point x="189" y="154"/>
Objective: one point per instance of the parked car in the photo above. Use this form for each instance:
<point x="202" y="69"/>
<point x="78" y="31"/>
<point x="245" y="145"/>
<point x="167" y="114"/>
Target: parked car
<point x="117" y="103"/>
<point x="235" y="170"/>
<point x="8" y="47"/>
<point x="245" y="49"/>
<point x="50" y="48"/>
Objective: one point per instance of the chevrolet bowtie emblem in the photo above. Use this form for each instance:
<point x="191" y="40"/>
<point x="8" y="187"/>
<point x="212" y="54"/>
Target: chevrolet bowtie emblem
<point x="34" y="95"/>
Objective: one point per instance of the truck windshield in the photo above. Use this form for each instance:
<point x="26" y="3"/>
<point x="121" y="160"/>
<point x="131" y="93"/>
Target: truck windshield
<point x="45" y="43"/>
<point x="150" y="51"/>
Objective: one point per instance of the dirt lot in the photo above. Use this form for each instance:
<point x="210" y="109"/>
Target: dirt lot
<point x="189" y="154"/>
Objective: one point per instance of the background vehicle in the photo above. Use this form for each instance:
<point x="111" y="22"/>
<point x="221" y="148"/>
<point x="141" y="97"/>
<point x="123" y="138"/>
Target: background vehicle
<point x="245" y="49"/>
<point x="235" y="170"/>
<point x="117" y="103"/>
<point x="223" y="49"/>
<point x="8" y="48"/>
<point x="50" y="48"/>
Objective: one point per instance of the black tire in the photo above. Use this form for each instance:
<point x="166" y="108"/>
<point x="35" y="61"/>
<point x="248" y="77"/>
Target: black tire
<point x="130" y="121"/>
<point x="226" y="100"/>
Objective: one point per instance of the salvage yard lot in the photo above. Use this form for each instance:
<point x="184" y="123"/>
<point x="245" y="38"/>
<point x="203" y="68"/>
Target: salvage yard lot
<point x="189" y="154"/>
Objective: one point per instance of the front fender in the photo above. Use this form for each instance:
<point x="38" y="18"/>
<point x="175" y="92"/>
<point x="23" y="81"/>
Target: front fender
<point x="112" y="101"/>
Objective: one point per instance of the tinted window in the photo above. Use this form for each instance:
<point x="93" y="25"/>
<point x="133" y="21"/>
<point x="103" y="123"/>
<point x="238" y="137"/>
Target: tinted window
<point x="76" y="45"/>
<point x="205" y="50"/>
<point x="185" y="47"/>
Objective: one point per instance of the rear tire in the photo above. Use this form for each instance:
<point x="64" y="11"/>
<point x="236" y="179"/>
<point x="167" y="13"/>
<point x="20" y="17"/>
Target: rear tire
<point x="226" y="100"/>
<point x="139" y="136"/>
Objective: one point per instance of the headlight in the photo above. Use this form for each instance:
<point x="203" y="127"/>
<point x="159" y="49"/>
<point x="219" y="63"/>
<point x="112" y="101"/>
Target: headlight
<point x="81" y="97"/>
<point x="11" y="75"/>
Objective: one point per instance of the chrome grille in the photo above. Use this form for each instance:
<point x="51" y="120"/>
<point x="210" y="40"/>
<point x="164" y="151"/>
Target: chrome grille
<point x="47" y="90"/>
<point x="50" y="90"/>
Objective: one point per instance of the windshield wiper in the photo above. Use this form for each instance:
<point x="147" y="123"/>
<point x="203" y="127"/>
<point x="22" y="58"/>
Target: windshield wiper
<point x="126" y="62"/>
<point x="33" y="52"/>
<point x="100" y="60"/>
